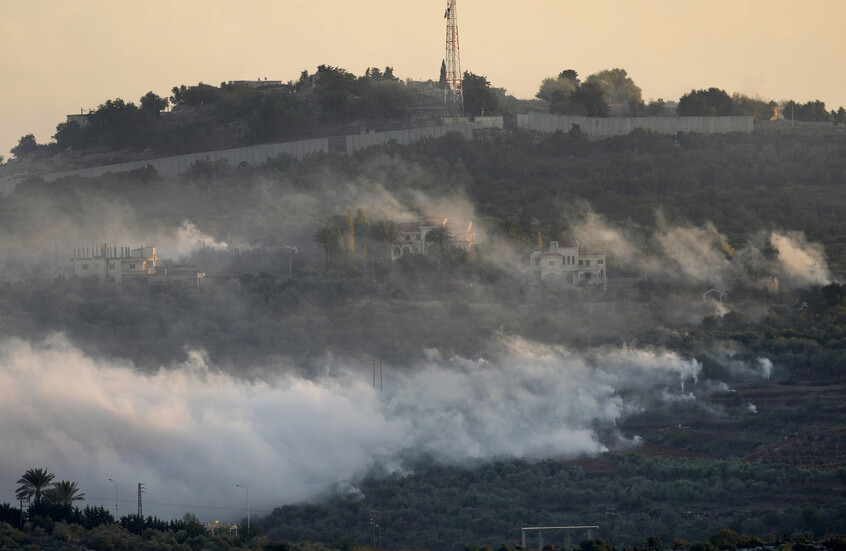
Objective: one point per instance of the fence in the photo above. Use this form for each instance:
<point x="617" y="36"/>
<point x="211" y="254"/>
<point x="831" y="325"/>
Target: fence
<point x="172" y="166"/>
<point x="604" y="127"/>
<point x="407" y="136"/>
<point x="542" y="122"/>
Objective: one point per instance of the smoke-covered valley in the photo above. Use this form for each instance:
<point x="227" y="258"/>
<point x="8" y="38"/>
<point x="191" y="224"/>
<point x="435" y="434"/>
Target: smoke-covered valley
<point x="264" y="374"/>
<point x="191" y="432"/>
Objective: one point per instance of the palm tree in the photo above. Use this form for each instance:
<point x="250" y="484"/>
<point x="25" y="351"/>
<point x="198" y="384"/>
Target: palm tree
<point x="327" y="240"/>
<point x="64" y="493"/>
<point x="384" y="233"/>
<point x="441" y="238"/>
<point x="33" y="484"/>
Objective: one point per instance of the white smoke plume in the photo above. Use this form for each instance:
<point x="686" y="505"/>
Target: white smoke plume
<point x="191" y="433"/>
<point x="186" y="239"/>
<point x="802" y="261"/>
<point x="703" y="255"/>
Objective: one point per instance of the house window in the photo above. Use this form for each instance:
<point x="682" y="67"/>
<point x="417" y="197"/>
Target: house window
<point x="552" y="263"/>
<point x="587" y="262"/>
<point x="85" y="266"/>
<point x="600" y="261"/>
<point x="132" y="266"/>
<point x="111" y="266"/>
<point x="581" y="262"/>
<point x="537" y="262"/>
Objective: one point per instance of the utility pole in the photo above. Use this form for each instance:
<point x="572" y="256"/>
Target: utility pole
<point x="117" y="515"/>
<point x="140" y="512"/>
<point x="453" y="91"/>
<point x="23" y="514"/>
<point x="377" y="532"/>
<point x="248" y="506"/>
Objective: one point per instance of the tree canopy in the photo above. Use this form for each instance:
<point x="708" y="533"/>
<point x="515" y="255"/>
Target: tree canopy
<point x="705" y="103"/>
<point x="479" y="99"/>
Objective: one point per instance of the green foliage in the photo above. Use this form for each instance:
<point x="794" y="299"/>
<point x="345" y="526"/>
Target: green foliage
<point x="485" y="505"/>
<point x="655" y="108"/>
<point x="33" y="484"/>
<point x="95" y="516"/>
<point x="597" y="544"/>
<point x="595" y="96"/>
<point x="755" y="107"/>
<point x="812" y="111"/>
<point x="705" y="103"/>
<point x="26" y="146"/>
<point x="153" y="104"/>
<point x="479" y="99"/>
<point x="9" y="514"/>
<point x="194" y="96"/>
<point x="618" y="88"/>
<point x="588" y="99"/>
<point x="565" y="83"/>
<point x="64" y="493"/>
<point x="70" y="135"/>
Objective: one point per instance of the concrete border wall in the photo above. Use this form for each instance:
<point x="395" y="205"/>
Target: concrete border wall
<point x="172" y="166"/>
<point x="594" y="127"/>
<point x="259" y="154"/>
<point x="603" y="127"/>
<point x="407" y="136"/>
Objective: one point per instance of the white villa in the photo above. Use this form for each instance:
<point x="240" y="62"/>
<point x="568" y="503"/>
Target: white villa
<point x="122" y="264"/>
<point x="413" y="235"/>
<point x="568" y="263"/>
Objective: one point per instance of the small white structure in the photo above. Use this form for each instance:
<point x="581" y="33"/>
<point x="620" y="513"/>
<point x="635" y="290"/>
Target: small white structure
<point x="413" y="235"/>
<point x="568" y="263"/>
<point x="717" y="295"/>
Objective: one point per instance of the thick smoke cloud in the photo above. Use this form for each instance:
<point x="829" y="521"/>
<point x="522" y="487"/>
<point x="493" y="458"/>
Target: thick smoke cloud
<point x="702" y="255"/>
<point x="190" y="433"/>
<point x="284" y="209"/>
<point x="800" y="260"/>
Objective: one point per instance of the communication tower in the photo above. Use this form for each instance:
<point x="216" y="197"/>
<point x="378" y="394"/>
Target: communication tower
<point x="453" y="93"/>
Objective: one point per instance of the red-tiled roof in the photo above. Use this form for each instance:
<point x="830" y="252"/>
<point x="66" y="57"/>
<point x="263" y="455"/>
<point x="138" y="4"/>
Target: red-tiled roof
<point x="408" y="226"/>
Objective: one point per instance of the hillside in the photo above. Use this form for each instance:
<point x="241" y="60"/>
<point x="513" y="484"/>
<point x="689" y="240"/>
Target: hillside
<point x="645" y="410"/>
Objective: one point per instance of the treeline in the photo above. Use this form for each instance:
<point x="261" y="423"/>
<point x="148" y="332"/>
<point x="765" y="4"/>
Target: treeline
<point x="188" y="534"/>
<point x="205" y="117"/>
<point x="632" y="498"/>
<point x="612" y="91"/>
<point x="50" y="512"/>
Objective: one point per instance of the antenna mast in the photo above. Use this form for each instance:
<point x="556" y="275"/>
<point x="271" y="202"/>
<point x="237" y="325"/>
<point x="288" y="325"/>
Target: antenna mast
<point x="453" y="93"/>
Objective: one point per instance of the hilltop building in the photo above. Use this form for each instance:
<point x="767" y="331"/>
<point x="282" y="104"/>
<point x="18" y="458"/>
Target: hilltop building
<point x="568" y="263"/>
<point x="413" y="235"/>
<point x="120" y="265"/>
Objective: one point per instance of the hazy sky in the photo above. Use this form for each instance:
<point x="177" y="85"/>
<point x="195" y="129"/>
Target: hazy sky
<point x="59" y="56"/>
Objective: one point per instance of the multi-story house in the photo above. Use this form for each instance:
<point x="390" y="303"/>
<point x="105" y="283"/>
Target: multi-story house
<point x="413" y="234"/>
<point x="568" y="263"/>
